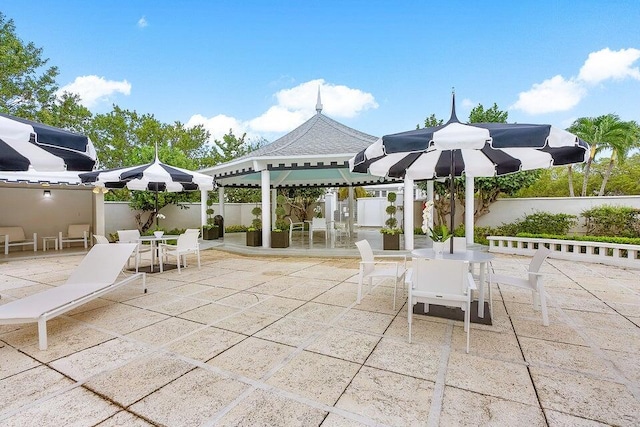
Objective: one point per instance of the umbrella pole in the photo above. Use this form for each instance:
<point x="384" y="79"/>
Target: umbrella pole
<point x="453" y="202"/>
<point x="157" y="219"/>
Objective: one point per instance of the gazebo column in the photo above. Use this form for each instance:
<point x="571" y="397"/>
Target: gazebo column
<point x="98" y="213"/>
<point x="221" y="201"/>
<point x="266" y="208"/>
<point x="408" y="214"/>
<point x="204" y="197"/>
<point x="469" y="208"/>
<point x="350" y="203"/>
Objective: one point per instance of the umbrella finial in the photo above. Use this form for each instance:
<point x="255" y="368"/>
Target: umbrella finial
<point x="319" y="103"/>
<point x="157" y="152"/>
<point x="453" y="118"/>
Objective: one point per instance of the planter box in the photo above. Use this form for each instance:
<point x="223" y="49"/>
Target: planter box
<point x="211" y="233"/>
<point x="254" y="238"/>
<point x="279" y="239"/>
<point x="391" y="242"/>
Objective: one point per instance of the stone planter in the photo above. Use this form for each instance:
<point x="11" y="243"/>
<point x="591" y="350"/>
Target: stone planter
<point x="254" y="238"/>
<point x="391" y="242"/>
<point x="439" y="247"/>
<point x="279" y="239"/>
<point x="211" y="233"/>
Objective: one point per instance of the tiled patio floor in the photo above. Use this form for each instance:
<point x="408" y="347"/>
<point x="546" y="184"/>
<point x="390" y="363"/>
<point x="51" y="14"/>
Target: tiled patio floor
<point x="274" y="341"/>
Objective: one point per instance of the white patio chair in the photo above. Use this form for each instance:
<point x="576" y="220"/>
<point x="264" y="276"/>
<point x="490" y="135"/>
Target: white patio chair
<point x="532" y="282"/>
<point x="295" y="226"/>
<point x="75" y="233"/>
<point x="187" y="244"/>
<point x="372" y="266"/>
<point x="133" y="236"/>
<point x="193" y="230"/>
<point x="441" y="282"/>
<point x="100" y="240"/>
<point x="317" y="224"/>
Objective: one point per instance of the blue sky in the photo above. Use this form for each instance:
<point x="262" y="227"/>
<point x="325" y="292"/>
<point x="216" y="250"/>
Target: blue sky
<point x="383" y="66"/>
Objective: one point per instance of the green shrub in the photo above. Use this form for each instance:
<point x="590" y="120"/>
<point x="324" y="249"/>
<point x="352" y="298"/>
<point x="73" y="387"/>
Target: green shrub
<point x="546" y="223"/>
<point x="600" y="239"/>
<point x="235" y="229"/>
<point x="609" y="220"/>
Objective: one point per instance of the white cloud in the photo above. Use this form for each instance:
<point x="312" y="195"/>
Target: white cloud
<point x="554" y="94"/>
<point x="142" y="22"/>
<point x="561" y="94"/>
<point x="467" y="103"/>
<point x="607" y="64"/>
<point x="293" y="106"/>
<point x="94" y="89"/>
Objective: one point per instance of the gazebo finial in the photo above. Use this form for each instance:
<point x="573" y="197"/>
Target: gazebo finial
<point x="157" y="159"/>
<point x="319" y="103"/>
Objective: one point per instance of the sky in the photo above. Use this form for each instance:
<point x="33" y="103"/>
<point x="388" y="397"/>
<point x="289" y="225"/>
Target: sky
<point x="381" y="66"/>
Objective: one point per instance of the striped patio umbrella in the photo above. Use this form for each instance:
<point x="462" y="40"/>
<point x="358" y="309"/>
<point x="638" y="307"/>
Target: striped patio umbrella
<point x="26" y="145"/>
<point x="155" y="176"/>
<point x="474" y="149"/>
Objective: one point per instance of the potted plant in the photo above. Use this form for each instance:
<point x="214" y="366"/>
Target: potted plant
<point x="440" y="235"/>
<point x="391" y="233"/>
<point x="254" y="233"/>
<point x="280" y="235"/>
<point x="210" y="231"/>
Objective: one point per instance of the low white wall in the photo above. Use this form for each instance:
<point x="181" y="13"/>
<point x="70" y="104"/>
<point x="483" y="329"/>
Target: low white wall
<point x="509" y="210"/>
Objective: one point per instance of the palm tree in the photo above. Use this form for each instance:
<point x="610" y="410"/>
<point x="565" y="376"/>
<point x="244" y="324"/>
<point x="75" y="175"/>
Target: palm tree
<point x="620" y="150"/>
<point x="603" y="132"/>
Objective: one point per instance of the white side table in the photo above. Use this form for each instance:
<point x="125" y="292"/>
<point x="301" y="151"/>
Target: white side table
<point x="46" y="240"/>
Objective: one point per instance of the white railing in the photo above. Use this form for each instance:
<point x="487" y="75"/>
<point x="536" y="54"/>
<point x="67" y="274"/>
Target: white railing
<point x="574" y="250"/>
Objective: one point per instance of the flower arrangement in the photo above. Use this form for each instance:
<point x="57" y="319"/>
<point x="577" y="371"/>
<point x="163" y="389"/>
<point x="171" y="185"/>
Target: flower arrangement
<point x="318" y="211"/>
<point x="439" y="233"/>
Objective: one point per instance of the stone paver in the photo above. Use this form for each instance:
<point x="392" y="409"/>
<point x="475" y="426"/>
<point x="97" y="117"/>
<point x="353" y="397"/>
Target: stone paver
<point x="271" y="340"/>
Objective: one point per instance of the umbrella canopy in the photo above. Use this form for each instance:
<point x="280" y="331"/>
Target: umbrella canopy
<point x="474" y="149"/>
<point x="477" y="149"/>
<point x="30" y="146"/>
<point x="155" y="176"/>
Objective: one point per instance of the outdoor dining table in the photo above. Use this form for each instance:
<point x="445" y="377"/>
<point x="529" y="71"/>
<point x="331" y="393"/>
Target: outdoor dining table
<point x="473" y="257"/>
<point x="155" y="242"/>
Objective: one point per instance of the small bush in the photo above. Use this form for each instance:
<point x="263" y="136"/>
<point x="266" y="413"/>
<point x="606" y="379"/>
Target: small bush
<point x="235" y="229"/>
<point x="546" y="223"/>
<point x="600" y="239"/>
<point x="609" y="220"/>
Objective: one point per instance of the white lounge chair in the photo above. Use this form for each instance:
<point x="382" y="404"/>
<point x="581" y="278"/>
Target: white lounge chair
<point x="96" y="275"/>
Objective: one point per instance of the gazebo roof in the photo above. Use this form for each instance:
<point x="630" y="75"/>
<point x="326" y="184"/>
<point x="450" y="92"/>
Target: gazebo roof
<point x="315" y="154"/>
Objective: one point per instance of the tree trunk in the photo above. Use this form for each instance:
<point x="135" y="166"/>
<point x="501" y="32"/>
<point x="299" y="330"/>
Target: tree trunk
<point x="570" y="175"/>
<point x="607" y="174"/>
<point x="585" y="180"/>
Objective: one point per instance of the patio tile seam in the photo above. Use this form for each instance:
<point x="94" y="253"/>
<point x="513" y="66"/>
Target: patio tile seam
<point x="630" y="385"/>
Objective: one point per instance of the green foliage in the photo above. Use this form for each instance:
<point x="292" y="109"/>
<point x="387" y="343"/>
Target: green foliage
<point x="391" y="231"/>
<point x="235" y="229"/>
<point x="491" y="115"/>
<point x="243" y="195"/>
<point x="256" y="222"/>
<point x="599" y="239"/>
<point x="439" y="233"/>
<point x="432" y="121"/>
<point x="391" y="222"/>
<point x="543" y="222"/>
<point x="607" y="220"/>
<point x="281" y="224"/>
<point x="358" y="193"/>
<point x="26" y="85"/>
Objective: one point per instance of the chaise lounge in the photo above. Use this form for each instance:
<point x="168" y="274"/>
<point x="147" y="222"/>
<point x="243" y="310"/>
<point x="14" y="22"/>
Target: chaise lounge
<point x="96" y="275"/>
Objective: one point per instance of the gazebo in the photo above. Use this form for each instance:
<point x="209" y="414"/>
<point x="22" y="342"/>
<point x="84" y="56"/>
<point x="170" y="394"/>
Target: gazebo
<point x="315" y="154"/>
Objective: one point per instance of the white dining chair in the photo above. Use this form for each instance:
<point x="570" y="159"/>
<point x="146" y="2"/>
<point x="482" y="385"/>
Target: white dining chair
<point x="441" y="282"/>
<point x="133" y="236"/>
<point x="187" y="244"/>
<point x="295" y="226"/>
<point x="379" y="266"/>
<point x="532" y="282"/>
